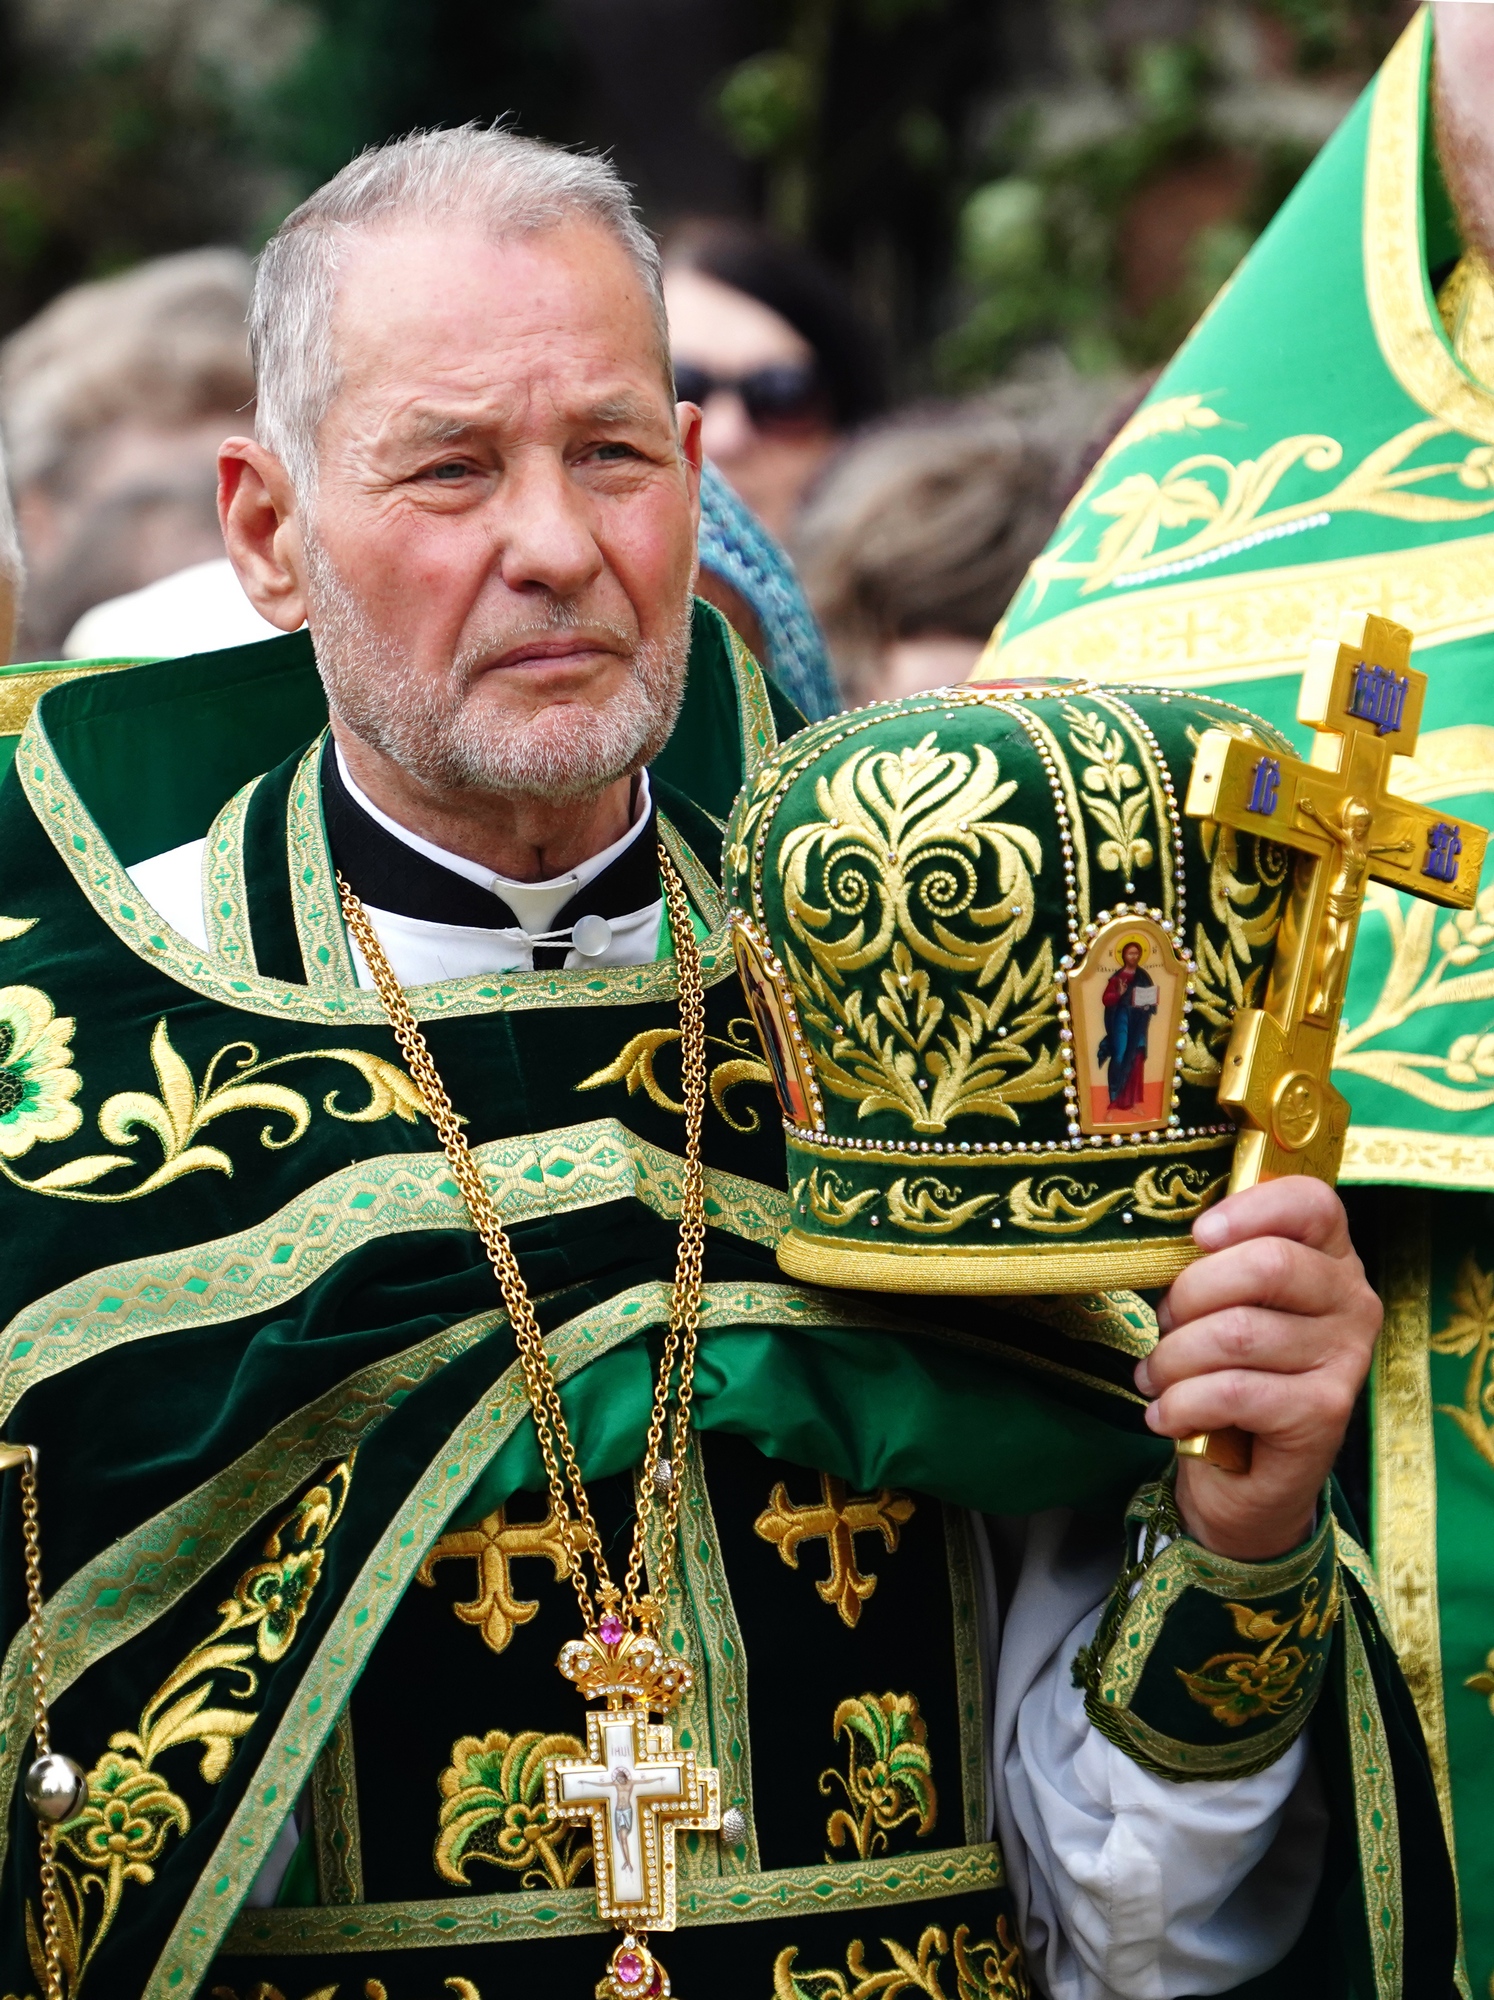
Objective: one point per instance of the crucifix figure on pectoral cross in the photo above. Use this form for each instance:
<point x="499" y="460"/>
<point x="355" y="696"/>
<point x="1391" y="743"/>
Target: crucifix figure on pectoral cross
<point x="636" y="1791"/>
<point x="1338" y="814"/>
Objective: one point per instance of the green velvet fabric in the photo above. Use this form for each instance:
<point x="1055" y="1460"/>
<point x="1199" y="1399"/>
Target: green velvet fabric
<point x="258" y="1345"/>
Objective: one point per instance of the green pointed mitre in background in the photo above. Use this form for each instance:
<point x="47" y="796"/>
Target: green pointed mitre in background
<point x="1322" y="445"/>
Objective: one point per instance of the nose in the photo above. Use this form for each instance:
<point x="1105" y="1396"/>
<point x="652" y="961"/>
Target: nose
<point x="546" y="535"/>
<point x="726" y="430"/>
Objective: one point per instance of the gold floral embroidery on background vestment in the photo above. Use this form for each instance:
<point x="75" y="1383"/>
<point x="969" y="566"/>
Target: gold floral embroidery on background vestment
<point x="634" y="1066"/>
<point x="890" y="1774"/>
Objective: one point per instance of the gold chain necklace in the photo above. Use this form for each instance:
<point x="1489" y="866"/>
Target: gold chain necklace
<point x="633" y="1789"/>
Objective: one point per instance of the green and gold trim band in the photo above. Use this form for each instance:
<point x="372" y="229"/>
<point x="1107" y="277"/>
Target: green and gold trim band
<point x="137" y="1579"/>
<point x="1204" y="1667"/>
<point x="511" y="1919"/>
<point x="325" y="953"/>
<point x="97" y="871"/>
<point x="225" y="889"/>
<point x="258" y="1269"/>
<point x="1378" y="1820"/>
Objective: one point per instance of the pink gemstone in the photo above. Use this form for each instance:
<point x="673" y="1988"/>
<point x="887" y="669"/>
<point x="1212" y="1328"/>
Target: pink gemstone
<point x="629" y="1967"/>
<point x="609" y="1631"/>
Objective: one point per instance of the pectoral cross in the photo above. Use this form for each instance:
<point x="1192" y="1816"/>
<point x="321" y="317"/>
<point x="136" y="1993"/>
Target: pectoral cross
<point x="1347" y="829"/>
<point x="637" y="1792"/>
<point x="839" y="1519"/>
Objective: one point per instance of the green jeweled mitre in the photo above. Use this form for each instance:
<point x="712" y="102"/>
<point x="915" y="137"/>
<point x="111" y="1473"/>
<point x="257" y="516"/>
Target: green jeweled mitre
<point x="994" y="967"/>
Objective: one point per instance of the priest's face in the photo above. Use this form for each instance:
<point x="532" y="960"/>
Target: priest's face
<point x="498" y="560"/>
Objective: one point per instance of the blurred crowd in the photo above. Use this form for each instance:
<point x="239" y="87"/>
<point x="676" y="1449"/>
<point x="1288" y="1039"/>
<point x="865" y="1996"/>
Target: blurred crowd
<point x="906" y="530"/>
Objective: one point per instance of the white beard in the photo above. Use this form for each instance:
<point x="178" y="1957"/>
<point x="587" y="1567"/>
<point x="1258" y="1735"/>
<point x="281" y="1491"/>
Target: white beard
<point x="568" y="751"/>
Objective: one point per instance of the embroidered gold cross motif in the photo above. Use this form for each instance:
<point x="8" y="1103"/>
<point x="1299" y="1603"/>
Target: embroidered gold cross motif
<point x="1337" y="812"/>
<point x="838" y="1520"/>
<point x="497" y="1543"/>
<point x="636" y="1792"/>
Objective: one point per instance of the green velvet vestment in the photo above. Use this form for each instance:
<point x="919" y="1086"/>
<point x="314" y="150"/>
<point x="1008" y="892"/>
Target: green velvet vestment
<point x="293" y="1518"/>
<point x="1322" y="445"/>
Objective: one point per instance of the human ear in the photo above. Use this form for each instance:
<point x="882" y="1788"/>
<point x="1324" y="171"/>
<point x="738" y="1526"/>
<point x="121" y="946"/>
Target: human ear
<point x="691" y="452"/>
<point x="262" y="531"/>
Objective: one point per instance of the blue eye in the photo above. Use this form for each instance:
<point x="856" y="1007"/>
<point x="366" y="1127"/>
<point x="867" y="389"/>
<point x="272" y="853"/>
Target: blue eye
<point x="615" y="451"/>
<point x="449" y="472"/>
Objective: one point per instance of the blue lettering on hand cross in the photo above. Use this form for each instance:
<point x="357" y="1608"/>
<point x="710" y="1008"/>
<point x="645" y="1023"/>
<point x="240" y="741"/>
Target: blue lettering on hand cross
<point x="1444" y="845"/>
<point x="1266" y="789"/>
<point x="1379" y="697"/>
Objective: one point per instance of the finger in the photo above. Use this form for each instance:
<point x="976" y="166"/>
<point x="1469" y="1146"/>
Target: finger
<point x="1306" y="1210"/>
<point x="1250" y="1337"/>
<point x="1299" y="1413"/>
<point x="1261" y="1271"/>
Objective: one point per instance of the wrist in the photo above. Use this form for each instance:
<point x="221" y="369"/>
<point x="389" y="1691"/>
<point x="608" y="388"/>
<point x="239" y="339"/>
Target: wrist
<point x="1257" y="1538"/>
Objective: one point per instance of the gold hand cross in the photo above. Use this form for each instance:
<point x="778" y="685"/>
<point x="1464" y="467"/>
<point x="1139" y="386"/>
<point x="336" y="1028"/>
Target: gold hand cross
<point x="1365" y="699"/>
<point x="1347" y="829"/>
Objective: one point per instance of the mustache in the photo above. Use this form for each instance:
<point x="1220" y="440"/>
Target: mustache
<point x="561" y="616"/>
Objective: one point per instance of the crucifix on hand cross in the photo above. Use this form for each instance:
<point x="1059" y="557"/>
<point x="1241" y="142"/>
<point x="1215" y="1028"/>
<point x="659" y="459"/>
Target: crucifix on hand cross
<point x="1347" y="828"/>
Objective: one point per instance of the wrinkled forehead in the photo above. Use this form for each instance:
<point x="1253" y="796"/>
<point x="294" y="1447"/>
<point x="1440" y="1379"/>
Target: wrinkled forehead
<point x="447" y="311"/>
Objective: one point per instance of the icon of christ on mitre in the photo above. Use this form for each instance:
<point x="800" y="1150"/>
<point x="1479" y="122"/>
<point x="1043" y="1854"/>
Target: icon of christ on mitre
<point x="522" y="1155"/>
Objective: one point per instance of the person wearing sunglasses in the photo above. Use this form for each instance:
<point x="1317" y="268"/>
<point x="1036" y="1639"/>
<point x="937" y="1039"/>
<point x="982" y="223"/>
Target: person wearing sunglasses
<point x="773" y="354"/>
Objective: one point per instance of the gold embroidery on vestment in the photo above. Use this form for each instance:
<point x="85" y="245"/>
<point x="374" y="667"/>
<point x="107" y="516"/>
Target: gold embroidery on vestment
<point x="990" y="1969"/>
<point x="1238" y="1687"/>
<point x="131" y="1812"/>
<point x="493" y="1809"/>
<point x="837" y="1520"/>
<point x="889" y="1778"/>
<point x="496" y="1543"/>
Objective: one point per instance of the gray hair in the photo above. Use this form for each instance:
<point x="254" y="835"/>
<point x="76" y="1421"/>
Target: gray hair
<point x="511" y="186"/>
<point x="10" y="546"/>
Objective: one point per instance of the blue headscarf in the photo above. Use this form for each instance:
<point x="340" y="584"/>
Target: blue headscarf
<point x="736" y="545"/>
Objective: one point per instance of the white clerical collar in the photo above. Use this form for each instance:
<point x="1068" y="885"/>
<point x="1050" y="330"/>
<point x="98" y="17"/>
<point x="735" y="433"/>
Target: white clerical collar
<point x="535" y="904"/>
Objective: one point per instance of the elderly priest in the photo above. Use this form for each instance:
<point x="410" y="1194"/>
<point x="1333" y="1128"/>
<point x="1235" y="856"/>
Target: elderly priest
<point x="392" y="1182"/>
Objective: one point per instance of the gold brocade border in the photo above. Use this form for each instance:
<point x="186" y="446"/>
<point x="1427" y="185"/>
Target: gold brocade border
<point x="1405" y="1477"/>
<point x="19" y="693"/>
<point x="96" y="869"/>
<point x="254" y="1270"/>
<point x="1256" y="625"/>
<point x="225" y="891"/>
<point x="1407" y="325"/>
<point x="335" y="1825"/>
<point x="326" y="955"/>
<point x="700" y="1624"/>
<point x="1050" y="1267"/>
<point x="1377" y="1155"/>
<point x="739" y="1899"/>
<point x="970" y="1677"/>
<point x="1377" y="1818"/>
<point x="138" y="1578"/>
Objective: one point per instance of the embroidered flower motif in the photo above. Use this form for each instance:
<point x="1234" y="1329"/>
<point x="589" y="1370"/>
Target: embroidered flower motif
<point x="493" y="1809"/>
<point x="278" y="1593"/>
<point x="891" y="1775"/>
<point x="37" y="1080"/>
<point x="130" y="1812"/>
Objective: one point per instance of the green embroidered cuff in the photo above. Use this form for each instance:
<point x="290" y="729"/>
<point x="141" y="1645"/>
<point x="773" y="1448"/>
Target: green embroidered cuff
<point x="1203" y="1667"/>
